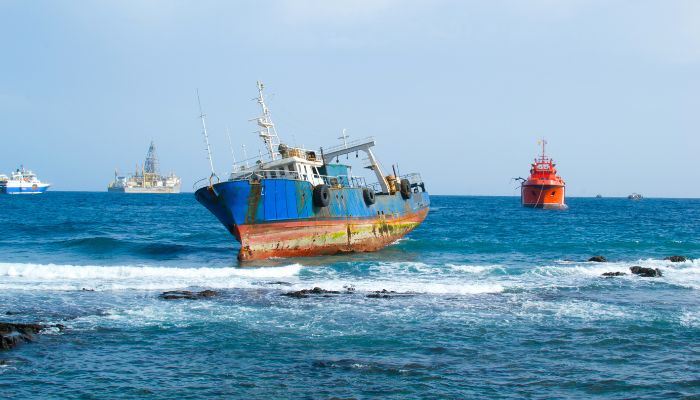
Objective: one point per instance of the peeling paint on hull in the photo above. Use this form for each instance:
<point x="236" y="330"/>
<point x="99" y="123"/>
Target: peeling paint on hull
<point x="277" y="219"/>
<point x="313" y="238"/>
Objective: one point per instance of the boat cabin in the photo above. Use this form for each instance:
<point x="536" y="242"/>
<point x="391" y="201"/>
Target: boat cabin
<point x="297" y="163"/>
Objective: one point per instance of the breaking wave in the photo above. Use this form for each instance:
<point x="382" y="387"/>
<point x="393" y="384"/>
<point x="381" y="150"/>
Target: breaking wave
<point x="72" y="277"/>
<point x="403" y="277"/>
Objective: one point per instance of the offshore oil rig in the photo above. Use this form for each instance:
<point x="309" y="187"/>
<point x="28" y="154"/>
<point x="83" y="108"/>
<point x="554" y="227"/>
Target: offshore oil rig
<point x="147" y="180"/>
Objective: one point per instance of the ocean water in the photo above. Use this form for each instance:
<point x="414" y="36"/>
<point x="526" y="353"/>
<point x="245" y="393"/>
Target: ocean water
<point x="492" y="300"/>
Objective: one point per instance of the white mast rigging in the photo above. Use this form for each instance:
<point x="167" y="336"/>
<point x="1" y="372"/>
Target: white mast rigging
<point x="206" y="138"/>
<point x="230" y="145"/>
<point x="267" y="129"/>
<point x="345" y="137"/>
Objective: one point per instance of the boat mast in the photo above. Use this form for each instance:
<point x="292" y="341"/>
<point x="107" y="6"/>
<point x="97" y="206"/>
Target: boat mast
<point x="206" y="136"/>
<point x="543" y="142"/>
<point x="230" y="145"/>
<point x="345" y="137"/>
<point x="267" y="129"/>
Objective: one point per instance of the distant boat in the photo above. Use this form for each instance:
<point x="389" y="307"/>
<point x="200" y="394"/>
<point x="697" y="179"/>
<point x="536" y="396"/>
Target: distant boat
<point x="635" y="196"/>
<point x="148" y="180"/>
<point x="599" y="196"/>
<point x="22" y="181"/>
<point x="544" y="188"/>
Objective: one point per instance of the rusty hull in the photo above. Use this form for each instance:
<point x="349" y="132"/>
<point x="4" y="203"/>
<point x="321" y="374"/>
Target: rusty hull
<point x="276" y="218"/>
<point x="313" y="238"/>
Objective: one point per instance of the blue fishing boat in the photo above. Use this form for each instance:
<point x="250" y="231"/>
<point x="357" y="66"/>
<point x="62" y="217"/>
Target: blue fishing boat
<point x="298" y="202"/>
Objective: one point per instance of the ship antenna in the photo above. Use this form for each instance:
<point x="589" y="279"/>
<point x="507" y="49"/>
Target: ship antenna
<point x="544" y="143"/>
<point x="345" y="137"/>
<point x="245" y="155"/>
<point x="206" y="139"/>
<point x="267" y="129"/>
<point x="230" y="145"/>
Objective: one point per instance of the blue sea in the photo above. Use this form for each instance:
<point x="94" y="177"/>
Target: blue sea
<point x="490" y="300"/>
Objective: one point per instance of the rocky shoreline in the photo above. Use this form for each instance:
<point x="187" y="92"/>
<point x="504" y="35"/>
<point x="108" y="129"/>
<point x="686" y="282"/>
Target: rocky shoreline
<point x="14" y="334"/>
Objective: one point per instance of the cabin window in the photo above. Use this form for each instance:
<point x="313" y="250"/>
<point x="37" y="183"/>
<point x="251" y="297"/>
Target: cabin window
<point x="273" y="174"/>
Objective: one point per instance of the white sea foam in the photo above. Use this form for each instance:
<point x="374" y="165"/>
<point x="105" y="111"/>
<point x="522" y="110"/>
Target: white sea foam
<point x="71" y="277"/>
<point x="579" y="309"/>
<point x="408" y="286"/>
<point x="404" y="267"/>
<point x="407" y="278"/>
<point x="690" y="319"/>
<point x="473" y="269"/>
<point x="415" y="277"/>
<point x="594" y="268"/>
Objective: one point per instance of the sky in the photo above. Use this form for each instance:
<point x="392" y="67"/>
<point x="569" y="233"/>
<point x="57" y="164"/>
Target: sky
<point x="460" y="91"/>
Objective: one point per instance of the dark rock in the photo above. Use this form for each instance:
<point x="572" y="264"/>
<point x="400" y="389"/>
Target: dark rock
<point x="87" y="290"/>
<point x="676" y="259"/>
<point x="12" y="313"/>
<point x="598" y="259"/>
<point x="380" y="294"/>
<point x="614" y="273"/>
<point x="187" y="295"/>
<point x="280" y="283"/>
<point x="646" y="272"/>
<point x="178" y="295"/>
<point x="12" y="334"/>
<point x="300" y="294"/>
<point x="207" y="293"/>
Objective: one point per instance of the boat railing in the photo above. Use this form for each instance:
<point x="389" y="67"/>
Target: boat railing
<point x="330" y="180"/>
<point x="348" y="144"/>
<point x="200" y="184"/>
<point x="414" y="179"/>
<point x="300" y="152"/>
<point x="342" y="181"/>
<point x="258" y="175"/>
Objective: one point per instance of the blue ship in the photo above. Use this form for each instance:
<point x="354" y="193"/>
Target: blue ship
<point x="298" y="202"/>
